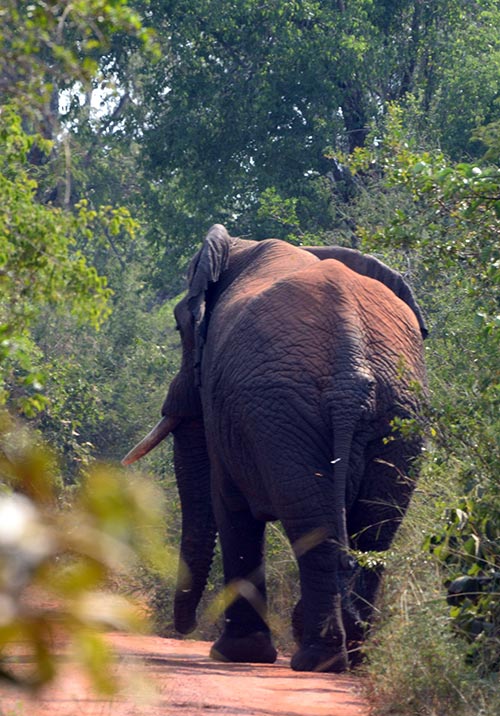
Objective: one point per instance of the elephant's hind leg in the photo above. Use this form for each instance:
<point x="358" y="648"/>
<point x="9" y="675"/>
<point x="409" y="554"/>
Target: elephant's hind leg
<point x="373" y="522"/>
<point x="246" y="636"/>
<point x="322" y="639"/>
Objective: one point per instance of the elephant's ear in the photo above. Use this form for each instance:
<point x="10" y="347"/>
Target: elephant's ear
<point x="205" y="269"/>
<point x="372" y="267"/>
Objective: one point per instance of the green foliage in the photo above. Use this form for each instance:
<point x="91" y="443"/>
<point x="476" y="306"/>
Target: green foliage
<point x="415" y="662"/>
<point x="282" y="211"/>
<point x="43" y="266"/>
<point x="66" y="38"/>
<point x="466" y="432"/>
<point x="247" y="98"/>
<point x="37" y="266"/>
<point x="466" y="429"/>
<point x="468" y="547"/>
<point x="467" y="80"/>
<point x="250" y="99"/>
<point x="55" y="564"/>
<point x="105" y="387"/>
<point x="283" y="585"/>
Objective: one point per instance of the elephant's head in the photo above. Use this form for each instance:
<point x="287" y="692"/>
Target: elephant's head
<point x="182" y="415"/>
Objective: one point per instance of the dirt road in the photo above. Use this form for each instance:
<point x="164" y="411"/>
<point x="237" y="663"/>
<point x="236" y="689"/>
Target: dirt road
<point x="166" y="677"/>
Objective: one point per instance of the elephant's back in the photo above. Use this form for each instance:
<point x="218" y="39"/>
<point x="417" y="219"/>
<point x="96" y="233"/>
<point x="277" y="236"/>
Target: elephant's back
<point x="344" y="308"/>
<point x="316" y="309"/>
<point x="327" y="297"/>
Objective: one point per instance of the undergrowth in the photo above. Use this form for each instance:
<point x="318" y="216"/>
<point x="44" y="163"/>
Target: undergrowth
<point x="417" y="664"/>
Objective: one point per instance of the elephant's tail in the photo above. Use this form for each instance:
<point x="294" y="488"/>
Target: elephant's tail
<point x="347" y="399"/>
<point x="341" y="452"/>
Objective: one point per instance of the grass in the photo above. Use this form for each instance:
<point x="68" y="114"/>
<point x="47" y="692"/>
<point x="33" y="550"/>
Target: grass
<point x="416" y="666"/>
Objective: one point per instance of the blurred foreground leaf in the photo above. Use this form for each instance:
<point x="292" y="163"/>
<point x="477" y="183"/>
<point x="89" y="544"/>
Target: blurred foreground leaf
<point x="55" y="565"/>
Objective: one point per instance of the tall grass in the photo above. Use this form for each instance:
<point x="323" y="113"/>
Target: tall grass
<point x="416" y="664"/>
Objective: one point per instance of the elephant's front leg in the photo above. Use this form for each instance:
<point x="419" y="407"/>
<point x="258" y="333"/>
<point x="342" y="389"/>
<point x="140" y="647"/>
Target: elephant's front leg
<point x="323" y="642"/>
<point x="246" y="636"/>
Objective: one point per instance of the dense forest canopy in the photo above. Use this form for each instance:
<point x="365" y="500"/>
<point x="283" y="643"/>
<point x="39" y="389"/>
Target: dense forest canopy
<point x="128" y="127"/>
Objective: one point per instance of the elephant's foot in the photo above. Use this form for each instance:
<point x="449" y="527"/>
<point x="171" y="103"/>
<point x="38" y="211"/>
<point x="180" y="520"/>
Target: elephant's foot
<point x="318" y="657"/>
<point x="256" y="648"/>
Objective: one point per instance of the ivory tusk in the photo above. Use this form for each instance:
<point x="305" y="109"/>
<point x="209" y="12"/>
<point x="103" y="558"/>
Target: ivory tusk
<point x="152" y="439"/>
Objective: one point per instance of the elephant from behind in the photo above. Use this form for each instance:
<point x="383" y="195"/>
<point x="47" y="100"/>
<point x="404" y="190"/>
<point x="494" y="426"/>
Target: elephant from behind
<point x="298" y="364"/>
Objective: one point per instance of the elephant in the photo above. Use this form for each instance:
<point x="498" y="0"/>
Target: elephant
<point x="301" y="383"/>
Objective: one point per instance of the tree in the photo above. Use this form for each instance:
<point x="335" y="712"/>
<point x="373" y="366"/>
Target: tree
<point x="251" y="106"/>
<point x="42" y="261"/>
<point x="46" y="48"/>
<point x="37" y="267"/>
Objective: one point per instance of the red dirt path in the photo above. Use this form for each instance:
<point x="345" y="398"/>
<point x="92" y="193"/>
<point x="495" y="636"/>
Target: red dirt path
<point x="166" y="677"/>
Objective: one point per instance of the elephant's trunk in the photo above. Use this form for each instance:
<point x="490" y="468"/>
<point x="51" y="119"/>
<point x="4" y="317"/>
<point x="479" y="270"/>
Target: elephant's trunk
<point x="192" y="469"/>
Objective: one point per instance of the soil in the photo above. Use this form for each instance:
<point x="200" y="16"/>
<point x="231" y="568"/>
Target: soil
<point x="167" y="677"/>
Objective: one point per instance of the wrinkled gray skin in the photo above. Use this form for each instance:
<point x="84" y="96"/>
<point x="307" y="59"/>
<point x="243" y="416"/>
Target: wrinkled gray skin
<point x="295" y="361"/>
